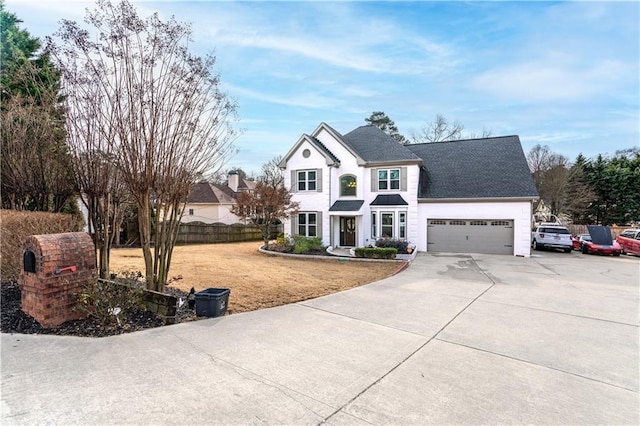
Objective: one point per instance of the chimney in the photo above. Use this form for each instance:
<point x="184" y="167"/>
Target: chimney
<point x="233" y="180"/>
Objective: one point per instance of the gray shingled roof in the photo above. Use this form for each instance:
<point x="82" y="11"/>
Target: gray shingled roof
<point x="389" y="200"/>
<point x="373" y="145"/>
<point x="209" y="193"/>
<point x="346" y="206"/>
<point x="474" y="168"/>
<point x="324" y="149"/>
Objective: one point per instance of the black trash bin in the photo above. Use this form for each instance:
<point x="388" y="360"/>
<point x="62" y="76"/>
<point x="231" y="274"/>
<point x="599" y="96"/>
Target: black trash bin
<point x="212" y="302"/>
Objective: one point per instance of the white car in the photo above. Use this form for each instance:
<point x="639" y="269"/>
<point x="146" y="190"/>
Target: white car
<point x="552" y="236"/>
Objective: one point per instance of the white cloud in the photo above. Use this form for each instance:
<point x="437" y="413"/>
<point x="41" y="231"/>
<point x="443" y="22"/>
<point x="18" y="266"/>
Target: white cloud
<point x="547" y="80"/>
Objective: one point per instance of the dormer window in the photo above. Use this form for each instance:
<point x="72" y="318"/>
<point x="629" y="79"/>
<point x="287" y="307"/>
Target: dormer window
<point x="348" y="185"/>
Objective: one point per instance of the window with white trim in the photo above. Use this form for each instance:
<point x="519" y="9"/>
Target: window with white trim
<point x="347" y="185"/>
<point x="374" y="228"/>
<point x="307" y="180"/>
<point x="308" y="224"/>
<point x="386" y="225"/>
<point x="402" y="225"/>
<point x="388" y="179"/>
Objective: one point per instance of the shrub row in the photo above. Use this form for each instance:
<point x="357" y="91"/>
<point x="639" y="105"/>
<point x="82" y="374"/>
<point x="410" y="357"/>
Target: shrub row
<point x="399" y="245"/>
<point x="376" y="252"/>
<point x="16" y="226"/>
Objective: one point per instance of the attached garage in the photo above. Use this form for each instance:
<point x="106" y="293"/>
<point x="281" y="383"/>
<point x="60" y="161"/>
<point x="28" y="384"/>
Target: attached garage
<point x="470" y="236"/>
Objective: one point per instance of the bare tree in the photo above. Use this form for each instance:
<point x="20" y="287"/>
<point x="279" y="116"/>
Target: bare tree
<point x="170" y="122"/>
<point x="550" y="173"/>
<point x="36" y="172"/>
<point x="439" y="130"/>
<point x="266" y="203"/>
<point x="271" y="173"/>
<point x="90" y="135"/>
<point x="443" y="130"/>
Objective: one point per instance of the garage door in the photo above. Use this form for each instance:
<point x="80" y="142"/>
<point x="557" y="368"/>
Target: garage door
<point x="470" y="236"/>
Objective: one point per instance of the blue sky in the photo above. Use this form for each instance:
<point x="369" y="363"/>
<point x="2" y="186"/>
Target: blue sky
<point x="555" y="73"/>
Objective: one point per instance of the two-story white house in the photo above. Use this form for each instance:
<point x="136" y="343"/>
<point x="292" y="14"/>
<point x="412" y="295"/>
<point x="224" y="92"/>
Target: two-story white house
<point x="461" y="196"/>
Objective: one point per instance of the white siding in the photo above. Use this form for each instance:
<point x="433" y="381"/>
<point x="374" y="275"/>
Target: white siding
<point x="210" y="213"/>
<point x="519" y="212"/>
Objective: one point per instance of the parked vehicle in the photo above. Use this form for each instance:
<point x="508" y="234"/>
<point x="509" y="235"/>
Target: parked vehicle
<point x="589" y="247"/>
<point x="552" y="236"/>
<point x="600" y="241"/>
<point x="629" y="240"/>
<point x="578" y="239"/>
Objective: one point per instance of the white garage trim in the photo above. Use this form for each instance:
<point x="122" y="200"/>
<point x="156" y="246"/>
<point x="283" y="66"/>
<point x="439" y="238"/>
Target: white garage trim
<point x="470" y="236"/>
<point x="517" y="211"/>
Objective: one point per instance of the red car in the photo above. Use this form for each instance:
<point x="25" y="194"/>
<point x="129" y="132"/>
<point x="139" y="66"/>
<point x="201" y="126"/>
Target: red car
<point x="599" y="241"/>
<point x="578" y="239"/>
<point x="630" y="241"/>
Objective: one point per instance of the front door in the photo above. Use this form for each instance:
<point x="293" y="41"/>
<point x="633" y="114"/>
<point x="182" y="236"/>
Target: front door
<point x="347" y="231"/>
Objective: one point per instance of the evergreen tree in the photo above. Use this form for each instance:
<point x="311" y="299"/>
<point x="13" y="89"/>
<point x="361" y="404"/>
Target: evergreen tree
<point x="386" y="124"/>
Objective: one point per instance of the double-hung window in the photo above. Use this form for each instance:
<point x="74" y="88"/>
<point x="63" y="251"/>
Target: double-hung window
<point x="388" y="179"/>
<point x="308" y="224"/>
<point x="374" y="228"/>
<point x="307" y="180"/>
<point x="386" y="225"/>
<point x="402" y="225"/>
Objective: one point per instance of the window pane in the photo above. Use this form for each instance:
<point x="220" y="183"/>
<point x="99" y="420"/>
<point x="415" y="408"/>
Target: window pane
<point x="382" y="174"/>
<point x="302" y="176"/>
<point x="395" y="184"/>
<point x="312" y="231"/>
<point x="302" y="219"/>
<point x="387" y="218"/>
<point x="373" y="225"/>
<point x="302" y="186"/>
<point x="312" y="185"/>
<point x="382" y="184"/>
<point x="348" y="185"/>
<point x="302" y="230"/>
<point x="312" y="218"/>
<point x="395" y="174"/>
<point x="311" y="175"/>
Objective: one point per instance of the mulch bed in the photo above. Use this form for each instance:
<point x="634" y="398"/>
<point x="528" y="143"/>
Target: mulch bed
<point x="14" y="320"/>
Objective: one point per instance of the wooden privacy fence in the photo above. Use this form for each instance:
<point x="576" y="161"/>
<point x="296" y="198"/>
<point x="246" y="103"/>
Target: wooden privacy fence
<point x="582" y="229"/>
<point x="207" y="233"/>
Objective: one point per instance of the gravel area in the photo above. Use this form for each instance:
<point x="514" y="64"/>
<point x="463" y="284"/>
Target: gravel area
<point x="14" y="320"/>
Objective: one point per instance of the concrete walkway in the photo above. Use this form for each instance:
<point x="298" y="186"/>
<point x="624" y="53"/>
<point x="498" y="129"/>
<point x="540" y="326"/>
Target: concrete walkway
<point x="478" y="339"/>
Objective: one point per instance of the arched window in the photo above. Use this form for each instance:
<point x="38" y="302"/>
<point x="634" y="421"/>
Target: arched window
<point x="347" y="185"/>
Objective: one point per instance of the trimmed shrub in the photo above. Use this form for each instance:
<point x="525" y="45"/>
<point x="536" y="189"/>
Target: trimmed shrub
<point x="399" y="245"/>
<point x="302" y="244"/>
<point x="16" y="226"/>
<point x="376" y="252"/>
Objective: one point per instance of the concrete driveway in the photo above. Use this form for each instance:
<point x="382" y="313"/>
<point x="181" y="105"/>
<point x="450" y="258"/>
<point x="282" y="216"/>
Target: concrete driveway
<point x="455" y="339"/>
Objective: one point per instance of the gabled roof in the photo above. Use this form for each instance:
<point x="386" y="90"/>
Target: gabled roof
<point x="368" y="144"/>
<point x="474" y="168"/>
<point x="322" y="149"/>
<point x="210" y="193"/>
<point x="375" y="146"/>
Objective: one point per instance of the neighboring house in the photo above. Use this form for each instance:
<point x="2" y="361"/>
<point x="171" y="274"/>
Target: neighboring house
<point x="460" y="196"/>
<point x="211" y="203"/>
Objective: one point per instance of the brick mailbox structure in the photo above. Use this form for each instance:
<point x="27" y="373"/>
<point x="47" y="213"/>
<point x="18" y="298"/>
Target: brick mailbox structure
<point x="55" y="268"/>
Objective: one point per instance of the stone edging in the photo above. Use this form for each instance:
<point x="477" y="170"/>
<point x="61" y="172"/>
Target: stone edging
<point x="336" y="257"/>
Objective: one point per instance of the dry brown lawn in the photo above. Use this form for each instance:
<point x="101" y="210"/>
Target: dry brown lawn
<point x="257" y="280"/>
